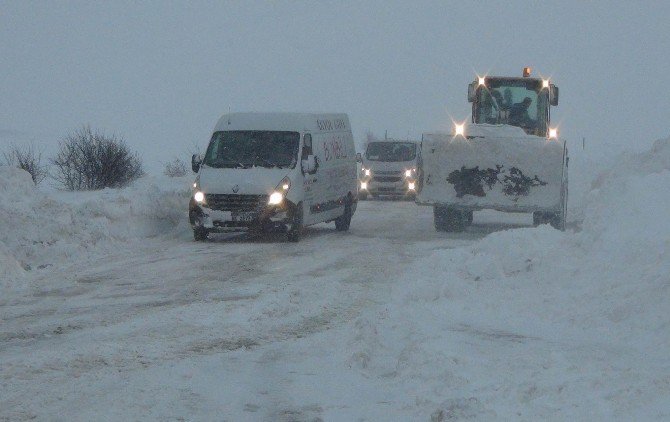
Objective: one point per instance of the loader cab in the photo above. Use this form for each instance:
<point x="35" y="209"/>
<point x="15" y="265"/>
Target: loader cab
<point x="522" y="102"/>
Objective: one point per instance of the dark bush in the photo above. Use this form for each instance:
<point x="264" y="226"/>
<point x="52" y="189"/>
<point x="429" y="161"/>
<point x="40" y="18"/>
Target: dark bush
<point x="29" y="159"/>
<point x="89" y="160"/>
<point x="175" y="168"/>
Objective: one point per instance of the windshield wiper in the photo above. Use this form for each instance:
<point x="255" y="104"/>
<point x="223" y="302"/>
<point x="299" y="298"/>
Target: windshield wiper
<point x="221" y="162"/>
<point x="267" y="162"/>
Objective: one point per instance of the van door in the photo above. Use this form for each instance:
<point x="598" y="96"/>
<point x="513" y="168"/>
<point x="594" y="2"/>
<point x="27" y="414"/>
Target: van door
<point x="336" y="166"/>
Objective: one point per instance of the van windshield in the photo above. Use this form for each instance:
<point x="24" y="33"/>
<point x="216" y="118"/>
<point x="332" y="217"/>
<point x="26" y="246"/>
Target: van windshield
<point x="390" y="151"/>
<point x="252" y="148"/>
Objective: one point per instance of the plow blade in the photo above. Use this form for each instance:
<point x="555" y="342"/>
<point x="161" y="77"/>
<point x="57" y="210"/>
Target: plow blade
<point x="520" y="173"/>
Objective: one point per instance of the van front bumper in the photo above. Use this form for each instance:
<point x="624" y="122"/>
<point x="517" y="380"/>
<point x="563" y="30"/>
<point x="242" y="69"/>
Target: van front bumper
<point x="267" y="218"/>
<point x="399" y="188"/>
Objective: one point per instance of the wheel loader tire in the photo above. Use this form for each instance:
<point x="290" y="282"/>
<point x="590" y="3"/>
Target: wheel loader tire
<point x="555" y="219"/>
<point x="438" y="218"/>
<point x="449" y="220"/>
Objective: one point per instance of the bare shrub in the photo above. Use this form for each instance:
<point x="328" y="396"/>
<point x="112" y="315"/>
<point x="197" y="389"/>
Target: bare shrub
<point x="175" y="168"/>
<point x="27" y="158"/>
<point x="90" y="160"/>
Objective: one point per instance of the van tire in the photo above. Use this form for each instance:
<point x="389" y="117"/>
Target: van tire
<point x="343" y="222"/>
<point x="362" y="196"/>
<point x="200" y="234"/>
<point x="295" y="232"/>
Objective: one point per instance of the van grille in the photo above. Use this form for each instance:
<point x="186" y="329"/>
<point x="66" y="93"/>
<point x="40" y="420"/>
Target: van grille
<point x="243" y="203"/>
<point x="386" y="178"/>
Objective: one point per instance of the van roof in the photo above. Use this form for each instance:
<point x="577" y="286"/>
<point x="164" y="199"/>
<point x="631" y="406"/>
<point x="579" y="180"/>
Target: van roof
<point x="313" y="122"/>
<point x="389" y="140"/>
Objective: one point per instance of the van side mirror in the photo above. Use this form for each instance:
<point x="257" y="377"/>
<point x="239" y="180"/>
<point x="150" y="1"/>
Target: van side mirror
<point x="359" y="157"/>
<point x="553" y="95"/>
<point x="472" y="92"/>
<point x="196" y="161"/>
<point x="309" y="164"/>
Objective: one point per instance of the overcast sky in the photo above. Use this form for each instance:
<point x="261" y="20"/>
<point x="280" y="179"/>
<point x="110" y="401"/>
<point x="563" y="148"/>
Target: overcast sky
<point x="161" y="73"/>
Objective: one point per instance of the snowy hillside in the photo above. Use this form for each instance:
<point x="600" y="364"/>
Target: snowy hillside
<point x="109" y="308"/>
<point x="572" y="324"/>
<point x="40" y="228"/>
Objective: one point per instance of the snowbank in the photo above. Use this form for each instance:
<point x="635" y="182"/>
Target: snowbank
<point x="542" y="310"/>
<point x="40" y="228"/>
<point x="10" y="270"/>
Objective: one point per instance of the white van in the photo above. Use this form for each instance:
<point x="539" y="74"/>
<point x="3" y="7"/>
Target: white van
<point x="389" y="167"/>
<point x="275" y="172"/>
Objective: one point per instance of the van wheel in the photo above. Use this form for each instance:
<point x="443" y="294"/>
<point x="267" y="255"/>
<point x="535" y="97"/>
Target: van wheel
<point x="295" y="232"/>
<point x="343" y="222"/>
<point x="469" y="217"/>
<point x="449" y="220"/>
<point x="362" y="196"/>
<point x="200" y="234"/>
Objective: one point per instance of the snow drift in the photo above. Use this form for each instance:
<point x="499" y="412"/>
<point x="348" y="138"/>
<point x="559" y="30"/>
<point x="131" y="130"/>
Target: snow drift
<point x="541" y="310"/>
<point x="40" y="228"/>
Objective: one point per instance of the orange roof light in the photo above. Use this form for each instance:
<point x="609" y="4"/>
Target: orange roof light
<point x="526" y="72"/>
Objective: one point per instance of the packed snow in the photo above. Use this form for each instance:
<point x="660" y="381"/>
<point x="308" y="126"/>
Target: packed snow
<point x="40" y="229"/>
<point x="110" y="310"/>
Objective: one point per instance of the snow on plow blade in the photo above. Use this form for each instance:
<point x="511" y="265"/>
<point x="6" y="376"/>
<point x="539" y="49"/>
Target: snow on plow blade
<point x="498" y="168"/>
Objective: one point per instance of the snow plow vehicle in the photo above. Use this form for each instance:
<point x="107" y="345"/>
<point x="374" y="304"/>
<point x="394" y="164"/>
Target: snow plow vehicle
<point x="507" y="159"/>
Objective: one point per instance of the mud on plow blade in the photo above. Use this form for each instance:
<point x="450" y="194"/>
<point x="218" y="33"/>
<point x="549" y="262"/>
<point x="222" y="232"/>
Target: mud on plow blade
<point x="499" y="167"/>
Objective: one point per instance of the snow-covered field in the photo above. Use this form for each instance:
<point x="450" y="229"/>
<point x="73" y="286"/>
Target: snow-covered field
<point x="109" y="311"/>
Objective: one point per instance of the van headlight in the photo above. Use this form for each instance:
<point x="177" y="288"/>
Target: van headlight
<point x="409" y="172"/>
<point x="277" y="197"/>
<point x="199" y="197"/>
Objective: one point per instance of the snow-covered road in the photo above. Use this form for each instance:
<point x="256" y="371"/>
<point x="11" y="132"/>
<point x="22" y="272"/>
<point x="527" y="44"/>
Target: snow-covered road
<point x="109" y="335"/>
<point x="109" y="310"/>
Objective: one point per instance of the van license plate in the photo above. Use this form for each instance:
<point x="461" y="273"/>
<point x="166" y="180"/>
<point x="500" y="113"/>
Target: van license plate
<point x="243" y="216"/>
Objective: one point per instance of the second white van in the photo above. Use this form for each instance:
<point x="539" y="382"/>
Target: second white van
<point x="389" y="168"/>
<point x="275" y="172"/>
